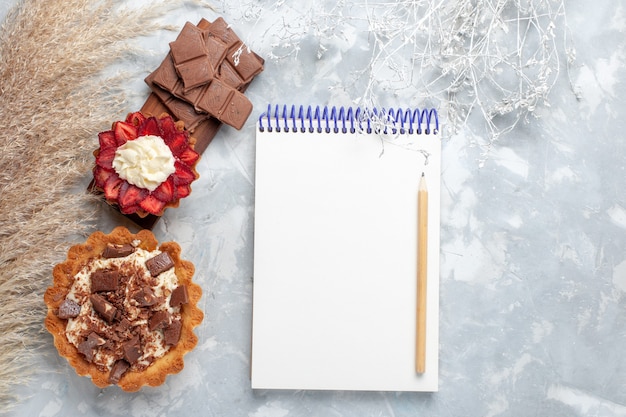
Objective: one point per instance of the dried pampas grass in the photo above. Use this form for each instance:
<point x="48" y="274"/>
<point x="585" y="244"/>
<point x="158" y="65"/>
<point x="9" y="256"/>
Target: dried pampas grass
<point x="54" y="102"/>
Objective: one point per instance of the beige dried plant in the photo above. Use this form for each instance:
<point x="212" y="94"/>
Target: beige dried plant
<point x="53" y="102"/>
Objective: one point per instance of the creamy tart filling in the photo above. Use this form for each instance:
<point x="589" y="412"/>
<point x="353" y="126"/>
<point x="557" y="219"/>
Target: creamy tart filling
<point x="123" y="309"/>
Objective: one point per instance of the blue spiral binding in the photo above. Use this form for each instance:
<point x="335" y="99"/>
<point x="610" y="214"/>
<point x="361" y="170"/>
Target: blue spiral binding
<point x="344" y="120"/>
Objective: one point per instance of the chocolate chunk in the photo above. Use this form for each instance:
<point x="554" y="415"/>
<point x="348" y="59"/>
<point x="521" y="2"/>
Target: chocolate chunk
<point x="145" y="297"/>
<point x="119" y="368"/>
<point x="179" y="296"/>
<point x="104" y="280"/>
<point x="171" y="334"/>
<point x="87" y="350"/>
<point x="160" y="263"/>
<point x="68" y="309"/>
<point x="118" y="251"/>
<point x="105" y="309"/>
<point x="87" y="346"/>
<point x="123" y="325"/>
<point x="132" y="350"/>
<point x="159" y="320"/>
<point x="95" y="340"/>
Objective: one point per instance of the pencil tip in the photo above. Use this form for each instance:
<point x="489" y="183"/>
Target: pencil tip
<point x="422" y="173"/>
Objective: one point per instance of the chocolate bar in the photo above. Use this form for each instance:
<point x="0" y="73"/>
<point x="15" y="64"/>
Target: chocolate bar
<point x="187" y="88"/>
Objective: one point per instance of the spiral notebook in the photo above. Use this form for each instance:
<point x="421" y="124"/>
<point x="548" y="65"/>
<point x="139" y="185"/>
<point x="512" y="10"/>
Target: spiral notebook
<point x="335" y="248"/>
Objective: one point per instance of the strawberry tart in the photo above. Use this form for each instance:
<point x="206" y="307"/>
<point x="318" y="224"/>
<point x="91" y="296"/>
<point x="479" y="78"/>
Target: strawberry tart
<point x="145" y="164"/>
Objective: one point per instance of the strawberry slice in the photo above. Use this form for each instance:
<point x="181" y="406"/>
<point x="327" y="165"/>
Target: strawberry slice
<point x="166" y="191"/>
<point x="130" y="195"/>
<point x="107" y="139"/>
<point x="105" y="157"/>
<point x="149" y="127"/>
<point x="124" y="132"/>
<point x="183" y="174"/>
<point x="168" y="128"/>
<point x="130" y="209"/>
<point x="112" y="186"/>
<point x="178" y="142"/>
<point x="101" y="175"/>
<point x="135" y="118"/>
<point x="183" y="190"/>
<point x="188" y="156"/>
<point x="151" y="204"/>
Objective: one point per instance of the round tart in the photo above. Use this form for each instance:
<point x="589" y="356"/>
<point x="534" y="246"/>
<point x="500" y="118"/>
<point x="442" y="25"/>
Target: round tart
<point x="122" y="309"/>
<point x="145" y="164"/>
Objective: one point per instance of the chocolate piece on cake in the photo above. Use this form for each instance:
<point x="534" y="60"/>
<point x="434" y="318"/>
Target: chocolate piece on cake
<point x="119" y="368"/>
<point x="132" y="350"/>
<point x="118" y="251"/>
<point x="179" y="296"/>
<point x="159" y="320"/>
<point x="104" y="280"/>
<point x="105" y="309"/>
<point x="68" y="309"/>
<point x="171" y="334"/>
<point x="89" y="344"/>
<point x="145" y="297"/>
<point x="160" y="263"/>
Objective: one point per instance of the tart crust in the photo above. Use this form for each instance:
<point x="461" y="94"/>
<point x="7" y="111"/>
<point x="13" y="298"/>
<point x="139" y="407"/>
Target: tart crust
<point x="191" y="316"/>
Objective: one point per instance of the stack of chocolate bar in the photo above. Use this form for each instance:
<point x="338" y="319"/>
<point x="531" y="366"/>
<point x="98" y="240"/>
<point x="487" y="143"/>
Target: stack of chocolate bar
<point x="202" y="79"/>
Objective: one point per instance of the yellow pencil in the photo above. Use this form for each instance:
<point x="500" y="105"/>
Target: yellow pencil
<point x="422" y="253"/>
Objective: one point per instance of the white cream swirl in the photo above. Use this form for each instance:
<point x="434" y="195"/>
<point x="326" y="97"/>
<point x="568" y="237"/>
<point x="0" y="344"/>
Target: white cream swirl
<point x="145" y="162"/>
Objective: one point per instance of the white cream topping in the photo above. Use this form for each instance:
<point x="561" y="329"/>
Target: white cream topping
<point x="167" y="281"/>
<point x="145" y="162"/>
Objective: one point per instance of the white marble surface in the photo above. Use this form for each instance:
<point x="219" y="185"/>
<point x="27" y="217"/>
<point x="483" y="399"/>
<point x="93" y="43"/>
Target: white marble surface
<point x="533" y="238"/>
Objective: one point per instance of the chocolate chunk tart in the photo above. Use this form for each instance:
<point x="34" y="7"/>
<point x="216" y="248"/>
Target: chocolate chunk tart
<point x="122" y="309"/>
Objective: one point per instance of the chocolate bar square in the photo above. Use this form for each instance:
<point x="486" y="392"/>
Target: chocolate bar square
<point x="189" y="44"/>
<point x="215" y="98"/>
<point x="229" y="75"/>
<point x="221" y="30"/>
<point x="245" y="62"/>
<point x="237" y="110"/>
<point x="195" y="72"/>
